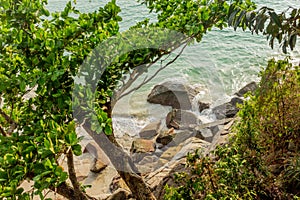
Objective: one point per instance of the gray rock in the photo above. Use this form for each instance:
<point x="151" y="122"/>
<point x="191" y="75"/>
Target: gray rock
<point x="182" y="136"/>
<point x="150" y="130"/>
<point x="173" y="93"/>
<point x="181" y="119"/>
<point x="250" y="87"/>
<point x="227" y="110"/>
<point x="205" y="134"/>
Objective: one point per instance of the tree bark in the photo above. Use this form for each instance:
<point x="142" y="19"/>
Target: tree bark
<point x="78" y="193"/>
<point x="122" y="163"/>
<point x="68" y="192"/>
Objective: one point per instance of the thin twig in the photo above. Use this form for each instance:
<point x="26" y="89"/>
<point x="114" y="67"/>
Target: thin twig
<point x="2" y="131"/>
<point x="155" y="74"/>
<point x="6" y="117"/>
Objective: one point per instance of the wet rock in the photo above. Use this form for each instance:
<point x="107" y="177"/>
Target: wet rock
<point x="142" y="146"/>
<point x="173" y="93"/>
<point x="181" y="119"/>
<point x="227" y="110"/>
<point x="202" y="106"/>
<point x="250" y="87"/>
<point x="150" y="130"/>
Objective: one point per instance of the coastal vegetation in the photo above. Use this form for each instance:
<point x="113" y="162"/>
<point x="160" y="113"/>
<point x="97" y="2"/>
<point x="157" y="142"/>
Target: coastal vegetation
<point x="41" y="52"/>
<point x="261" y="159"/>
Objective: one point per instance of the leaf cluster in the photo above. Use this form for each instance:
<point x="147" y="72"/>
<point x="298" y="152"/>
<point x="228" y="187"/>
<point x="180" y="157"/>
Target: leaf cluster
<point x="283" y="27"/>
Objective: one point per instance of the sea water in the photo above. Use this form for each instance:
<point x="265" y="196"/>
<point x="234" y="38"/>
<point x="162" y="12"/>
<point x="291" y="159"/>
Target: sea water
<point x="224" y="61"/>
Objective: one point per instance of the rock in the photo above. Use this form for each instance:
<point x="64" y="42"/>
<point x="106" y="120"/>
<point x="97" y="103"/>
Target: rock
<point x="228" y="125"/>
<point x="147" y="164"/>
<point x="205" y="134"/>
<point x="117" y="183"/>
<point x="250" y="87"/>
<point x="97" y="152"/>
<point x="202" y="106"/>
<point x="181" y="119"/>
<point x="182" y="136"/>
<point x="98" y="166"/>
<point x="190" y="146"/>
<point x="120" y="194"/>
<point x="173" y="93"/>
<point x="100" y="182"/>
<point x="165" y="137"/>
<point x="142" y="146"/>
<point x="227" y="110"/>
<point x="150" y="130"/>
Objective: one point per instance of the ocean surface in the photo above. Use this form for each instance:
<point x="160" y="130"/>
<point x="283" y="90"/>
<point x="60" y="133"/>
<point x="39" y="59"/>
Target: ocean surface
<point x="224" y="61"/>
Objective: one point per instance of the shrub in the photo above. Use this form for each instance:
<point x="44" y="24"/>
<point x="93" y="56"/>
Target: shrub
<point x="260" y="161"/>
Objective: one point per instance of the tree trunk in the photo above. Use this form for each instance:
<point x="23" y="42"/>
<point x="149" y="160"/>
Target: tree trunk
<point x="69" y="193"/>
<point x="122" y="163"/>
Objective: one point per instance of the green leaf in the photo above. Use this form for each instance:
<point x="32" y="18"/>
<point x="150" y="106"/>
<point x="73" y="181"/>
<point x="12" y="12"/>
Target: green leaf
<point x="71" y="138"/>
<point x="108" y="129"/>
<point x="76" y="149"/>
<point x="275" y="18"/>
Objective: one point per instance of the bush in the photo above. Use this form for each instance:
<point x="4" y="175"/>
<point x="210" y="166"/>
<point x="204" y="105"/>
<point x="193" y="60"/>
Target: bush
<point x="260" y="161"/>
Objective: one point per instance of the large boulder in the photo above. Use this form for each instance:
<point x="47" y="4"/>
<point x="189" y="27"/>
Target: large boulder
<point x="173" y="93"/>
<point x="181" y="119"/>
<point x="250" y="87"/>
<point x="227" y="110"/>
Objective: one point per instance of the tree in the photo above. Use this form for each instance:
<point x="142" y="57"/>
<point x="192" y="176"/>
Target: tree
<point x="41" y="52"/>
<point x="283" y="27"/>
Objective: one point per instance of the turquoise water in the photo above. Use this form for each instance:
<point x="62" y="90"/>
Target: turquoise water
<point x="221" y="63"/>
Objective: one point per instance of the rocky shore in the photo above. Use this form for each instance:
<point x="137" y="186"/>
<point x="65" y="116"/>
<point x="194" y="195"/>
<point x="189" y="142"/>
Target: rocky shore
<point x="160" y="148"/>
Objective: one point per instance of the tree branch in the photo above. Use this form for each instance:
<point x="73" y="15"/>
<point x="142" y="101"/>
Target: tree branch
<point x="135" y="74"/>
<point x="72" y="173"/>
<point x="2" y="131"/>
<point x="6" y="117"/>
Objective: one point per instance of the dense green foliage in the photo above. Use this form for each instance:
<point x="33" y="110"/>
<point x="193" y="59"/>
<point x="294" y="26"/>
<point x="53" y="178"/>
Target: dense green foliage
<point x="261" y="161"/>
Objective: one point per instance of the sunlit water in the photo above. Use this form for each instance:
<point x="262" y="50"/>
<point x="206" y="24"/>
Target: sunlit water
<point x="221" y="63"/>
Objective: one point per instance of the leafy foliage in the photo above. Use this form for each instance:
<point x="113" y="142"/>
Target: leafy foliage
<point x="258" y="162"/>
<point x="41" y="51"/>
<point x="283" y="27"/>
